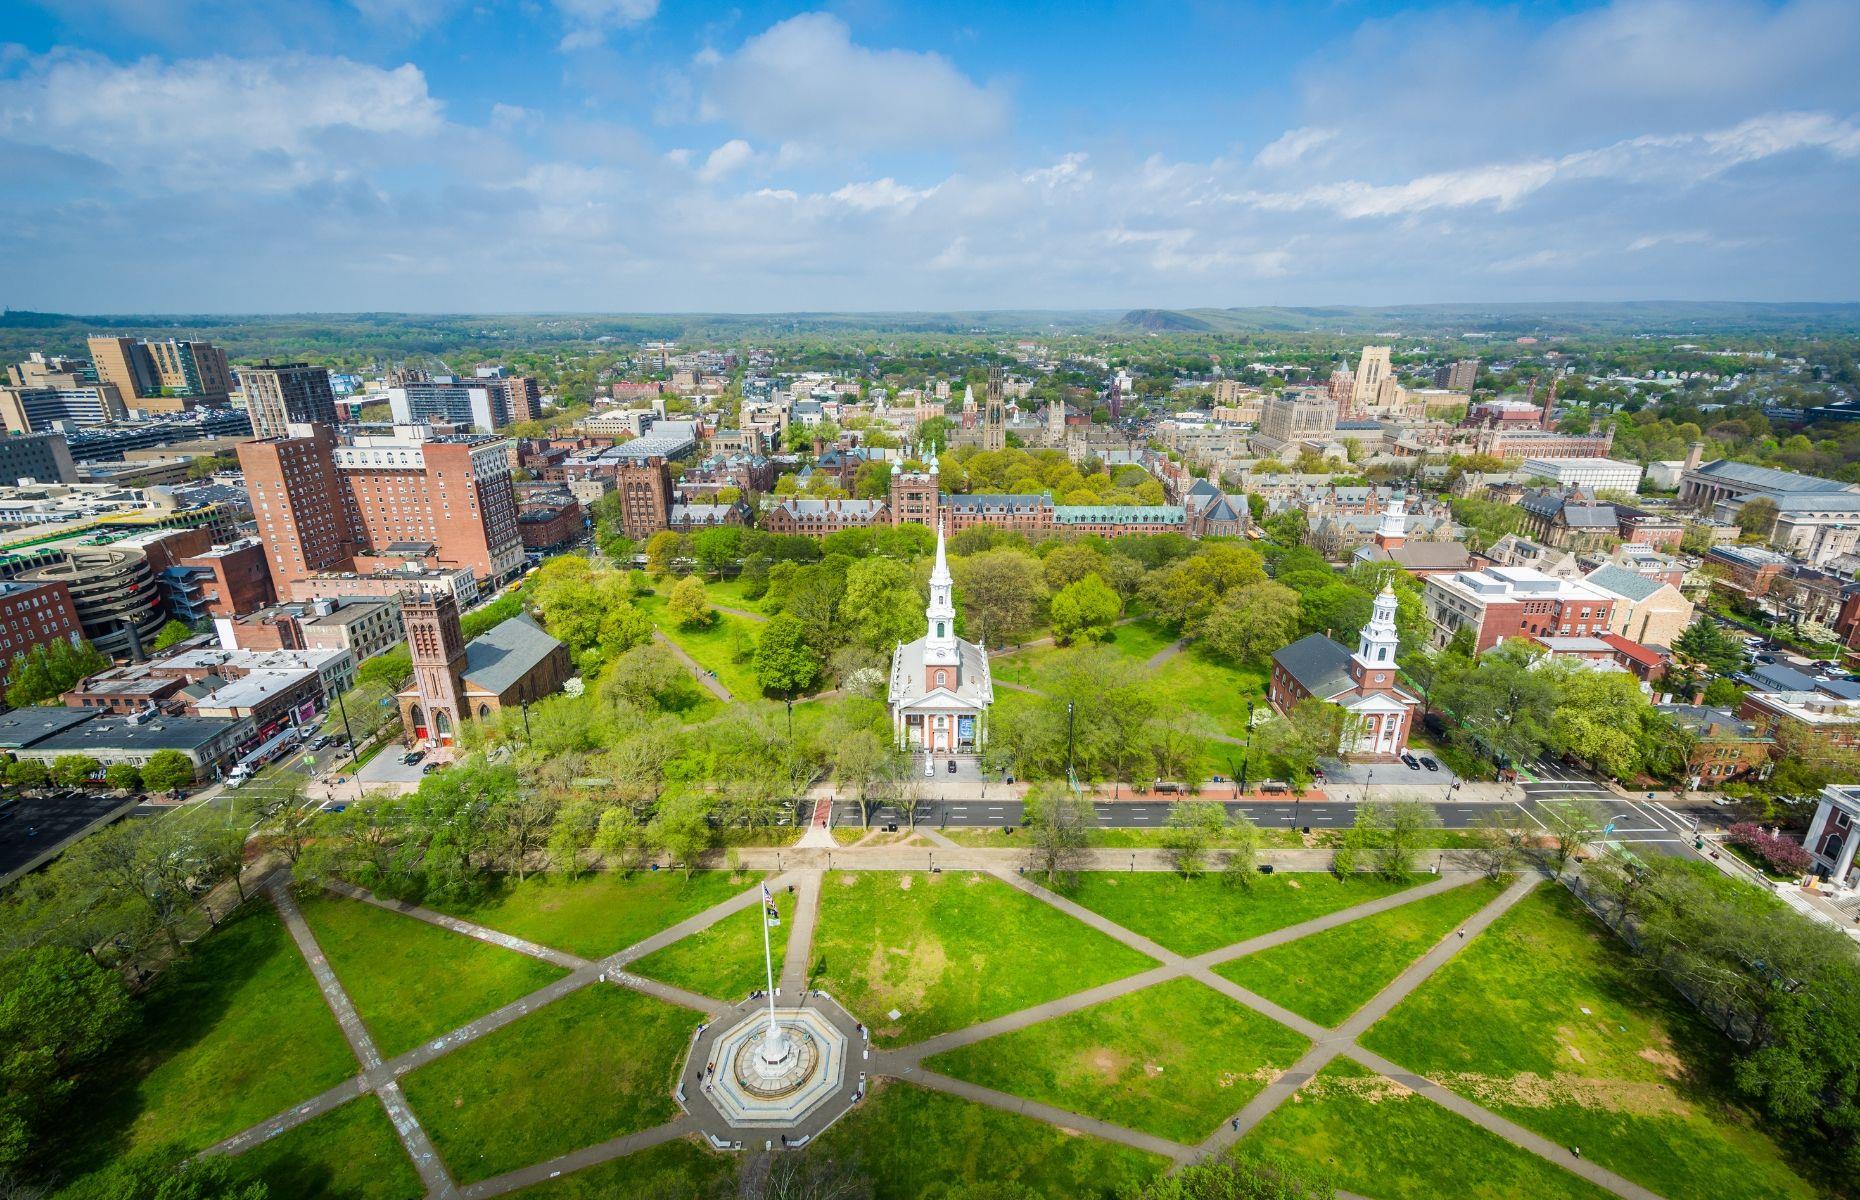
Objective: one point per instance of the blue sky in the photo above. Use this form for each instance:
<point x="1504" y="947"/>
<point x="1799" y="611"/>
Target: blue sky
<point x="651" y="155"/>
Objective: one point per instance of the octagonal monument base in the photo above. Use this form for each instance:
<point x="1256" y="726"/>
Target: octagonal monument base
<point x="734" y="1082"/>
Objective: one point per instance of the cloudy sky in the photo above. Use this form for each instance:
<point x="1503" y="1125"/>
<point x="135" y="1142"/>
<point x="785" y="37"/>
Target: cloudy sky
<point x="658" y="155"/>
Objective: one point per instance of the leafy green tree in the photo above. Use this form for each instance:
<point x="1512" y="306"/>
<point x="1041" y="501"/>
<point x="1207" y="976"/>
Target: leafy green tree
<point x="167" y="771"/>
<point x="682" y="826"/>
<point x="882" y="603"/>
<point x="1238" y="1175"/>
<point x="59" y="1013"/>
<point x="1058" y="822"/>
<point x="1704" y="643"/>
<point x="689" y="603"/>
<point x="1001" y="594"/>
<point x="174" y="631"/>
<point x="1295" y="743"/>
<point x="122" y="776"/>
<point x="785" y="664"/>
<point x="1087" y="609"/>
<point x="1194" y="826"/>
<point x="1756" y="516"/>
<point x="1244" y="840"/>
<point x="27" y="773"/>
<point x="717" y="547"/>
<point x="1407" y="824"/>
<point x="1073" y="561"/>
<point x="1254" y="622"/>
<point x="621" y="839"/>
<point x="170" y="1173"/>
<point x="74" y="770"/>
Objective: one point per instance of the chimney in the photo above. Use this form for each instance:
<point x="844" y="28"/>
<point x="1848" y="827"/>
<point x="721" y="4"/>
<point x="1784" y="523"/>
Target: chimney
<point x="1695" y="454"/>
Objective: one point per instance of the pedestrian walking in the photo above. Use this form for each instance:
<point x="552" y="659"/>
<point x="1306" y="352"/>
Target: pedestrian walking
<point x="1462" y="933"/>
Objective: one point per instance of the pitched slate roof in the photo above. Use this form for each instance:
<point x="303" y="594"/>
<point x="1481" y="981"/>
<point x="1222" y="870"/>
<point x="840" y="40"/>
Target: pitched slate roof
<point x="1623" y="582"/>
<point x="1321" y="666"/>
<point x="1769" y="479"/>
<point x="496" y="659"/>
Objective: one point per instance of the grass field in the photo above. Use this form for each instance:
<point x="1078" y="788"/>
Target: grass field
<point x="602" y="913"/>
<point x="948" y="950"/>
<point x="1174" y="1060"/>
<point x="914" y="1144"/>
<point x="1378" y="1139"/>
<point x="1576" y="1041"/>
<point x="598" y="1063"/>
<point x="411" y="981"/>
<point x="348" y="1154"/>
<point x="232" y="1034"/>
<point x="717" y="647"/>
<point x="1330" y="975"/>
<point x="1137" y="641"/>
<point x="1193" y="916"/>
<point x="674" y="1169"/>
<point x="725" y="960"/>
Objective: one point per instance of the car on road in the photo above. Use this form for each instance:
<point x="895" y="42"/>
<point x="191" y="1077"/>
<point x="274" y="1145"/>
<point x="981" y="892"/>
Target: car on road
<point x="411" y="757"/>
<point x="1429" y="763"/>
<point x="952" y="766"/>
<point x="1414" y="764"/>
<point x="323" y="741"/>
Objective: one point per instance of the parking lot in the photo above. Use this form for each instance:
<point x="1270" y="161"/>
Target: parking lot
<point x="37" y="825"/>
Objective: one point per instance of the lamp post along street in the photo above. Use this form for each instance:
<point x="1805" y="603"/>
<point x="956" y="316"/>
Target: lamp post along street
<point x="1246" y="754"/>
<point x="346" y="731"/>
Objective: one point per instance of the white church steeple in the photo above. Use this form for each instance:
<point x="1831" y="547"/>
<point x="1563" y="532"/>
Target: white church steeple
<point x="940" y="646"/>
<point x="1376" y="647"/>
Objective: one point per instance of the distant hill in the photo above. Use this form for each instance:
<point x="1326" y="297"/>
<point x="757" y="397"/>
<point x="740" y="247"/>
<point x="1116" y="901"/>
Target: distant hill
<point x="1514" y="320"/>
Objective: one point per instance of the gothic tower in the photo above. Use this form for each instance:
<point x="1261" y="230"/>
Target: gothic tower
<point x="994" y="412"/>
<point x="437" y="646"/>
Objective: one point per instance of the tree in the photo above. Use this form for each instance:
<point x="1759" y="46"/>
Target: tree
<point x="689" y="603"/>
<point x="169" y="1173"/>
<point x="717" y="547"/>
<point x="1499" y="841"/>
<point x="1705" y="644"/>
<point x="1254" y="622"/>
<point x="1057" y="821"/>
<point x="167" y="771"/>
<point x="174" y="631"/>
<point x="785" y="664"/>
<point x="1237" y="1175"/>
<point x="622" y="840"/>
<point x="74" y="770"/>
<point x="1002" y="594"/>
<point x="881" y="603"/>
<point x="122" y="777"/>
<point x="1295" y="743"/>
<point x="1194" y="825"/>
<point x="1244" y="840"/>
<point x="648" y="677"/>
<point x="1073" y="561"/>
<point x="59" y="1013"/>
<point x="572" y="833"/>
<point x="663" y="550"/>
<point x="682" y="827"/>
<point x="1756" y="517"/>
<point x="1085" y="609"/>
<point x="27" y="773"/>
<point x="812" y="1176"/>
<point x="1405" y="835"/>
<point x="1573" y="824"/>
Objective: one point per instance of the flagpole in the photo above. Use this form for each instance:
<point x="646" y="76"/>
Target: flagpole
<point x="768" y="959"/>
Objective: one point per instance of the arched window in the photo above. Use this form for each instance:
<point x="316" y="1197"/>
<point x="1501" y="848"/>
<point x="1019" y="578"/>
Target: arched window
<point x="484" y="710"/>
<point x="939" y="629"/>
<point x="942" y="678"/>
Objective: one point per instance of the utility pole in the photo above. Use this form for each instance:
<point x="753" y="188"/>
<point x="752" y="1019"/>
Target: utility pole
<point x="346" y="731"/>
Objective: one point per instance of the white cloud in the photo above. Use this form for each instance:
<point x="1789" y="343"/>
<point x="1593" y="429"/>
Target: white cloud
<point x="1293" y="145"/>
<point x="805" y="80"/>
<point x="726" y="159"/>
<point x="886" y="193"/>
<point x="590" y="21"/>
<point x="266" y="120"/>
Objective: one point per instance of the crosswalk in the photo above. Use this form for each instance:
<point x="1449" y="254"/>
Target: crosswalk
<point x="1643" y="820"/>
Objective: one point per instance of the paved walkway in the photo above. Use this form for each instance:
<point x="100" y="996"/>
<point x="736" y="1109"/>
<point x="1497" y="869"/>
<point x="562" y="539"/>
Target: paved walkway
<point x="906" y="1063"/>
<point x="703" y="675"/>
<point x="1165" y="654"/>
<point x="741" y="612"/>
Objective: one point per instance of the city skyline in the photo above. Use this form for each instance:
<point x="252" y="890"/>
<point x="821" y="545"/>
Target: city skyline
<point x="620" y="155"/>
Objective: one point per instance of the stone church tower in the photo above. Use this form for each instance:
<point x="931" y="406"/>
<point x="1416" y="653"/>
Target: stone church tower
<point x="437" y="646"/>
<point x="994" y="411"/>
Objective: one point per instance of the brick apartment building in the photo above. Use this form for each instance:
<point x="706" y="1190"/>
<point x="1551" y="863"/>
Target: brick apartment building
<point x="645" y="489"/>
<point x="372" y="504"/>
<point x="1506" y="602"/>
<point x="34" y="614"/>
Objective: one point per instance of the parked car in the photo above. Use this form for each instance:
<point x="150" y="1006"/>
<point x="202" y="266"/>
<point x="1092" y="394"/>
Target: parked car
<point x="1429" y="763"/>
<point x="952" y="766"/>
<point x="1413" y="763"/>
<point x="412" y="756"/>
<point x="429" y="768"/>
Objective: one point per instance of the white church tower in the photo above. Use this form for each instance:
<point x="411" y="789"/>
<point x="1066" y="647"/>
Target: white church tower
<point x="940" y="648"/>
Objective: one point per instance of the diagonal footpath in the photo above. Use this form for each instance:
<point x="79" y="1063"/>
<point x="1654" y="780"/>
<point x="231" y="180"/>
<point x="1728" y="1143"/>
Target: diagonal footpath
<point x="793" y="978"/>
<point x="407" y="1126"/>
<point x="469" y="929"/>
<point x="1063" y="1118"/>
<point x="579" y="1160"/>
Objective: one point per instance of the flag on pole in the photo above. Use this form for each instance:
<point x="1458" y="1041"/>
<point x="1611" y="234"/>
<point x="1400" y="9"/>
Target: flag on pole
<point x="768" y="906"/>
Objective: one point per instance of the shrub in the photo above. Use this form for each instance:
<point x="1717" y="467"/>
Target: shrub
<point x="1781" y="855"/>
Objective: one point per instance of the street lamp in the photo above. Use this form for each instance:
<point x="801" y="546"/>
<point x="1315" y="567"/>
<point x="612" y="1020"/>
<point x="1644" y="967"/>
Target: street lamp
<point x="1071" y="775"/>
<point x="1247" y="753"/>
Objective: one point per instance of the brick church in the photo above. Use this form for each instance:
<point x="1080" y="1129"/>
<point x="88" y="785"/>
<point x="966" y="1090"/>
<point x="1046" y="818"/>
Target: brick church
<point x="940" y="687"/>
<point x="513" y="663"/>
<point x="1364" y="684"/>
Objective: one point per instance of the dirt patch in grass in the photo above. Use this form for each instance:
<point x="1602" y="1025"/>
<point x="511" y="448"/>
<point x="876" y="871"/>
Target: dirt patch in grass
<point x="1371" y="1088"/>
<point x="904" y="882"/>
<point x="1530" y="1090"/>
<point x="902" y="977"/>
<point x="1106" y="1063"/>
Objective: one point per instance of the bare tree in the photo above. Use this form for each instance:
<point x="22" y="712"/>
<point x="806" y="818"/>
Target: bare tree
<point x="1499" y="841"/>
<point x="802" y="1177"/>
<point x="1574" y="823"/>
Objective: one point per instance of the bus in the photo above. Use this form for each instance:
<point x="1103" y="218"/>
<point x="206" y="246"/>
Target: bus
<point x="273" y="748"/>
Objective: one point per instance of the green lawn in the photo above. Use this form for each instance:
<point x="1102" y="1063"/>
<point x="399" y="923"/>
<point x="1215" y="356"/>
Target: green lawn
<point x="1193" y="916"/>
<point x="949" y="950"/>
<point x="1137" y="641"/>
<point x="1194" y="681"/>
<point x="730" y="592"/>
<point x="1380" y="1140"/>
<point x="598" y="1063"/>
<point x="727" y="645"/>
<point x="1330" y="975"/>
<point x="348" y="1154"/>
<point x="233" y="1034"/>
<point x="601" y="913"/>
<point x="915" y="1144"/>
<point x="1174" y="1060"/>
<point x="1548" y="1019"/>
<point x="411" y="981"/>
<point x="724" y="960"/>
<point x="669" y="1171"/>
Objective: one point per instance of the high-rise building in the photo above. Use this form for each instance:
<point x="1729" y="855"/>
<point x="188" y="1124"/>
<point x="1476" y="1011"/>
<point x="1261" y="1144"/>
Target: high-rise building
<point x="380" y="503"/>
<point x="40" y="370"/>
<point x="994" y="412"/>
<point x="1457" y="376"/>
<point x="1294" y="415"/>
<point x="523" y="396"/>
<point x="41" y="457"/>
<point x="167" y="376"/>
<point x="1371" y="369"/>
<point x="482" y="404"/>
<point x="41" y="409"/>
<point x="287" y="394"/>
